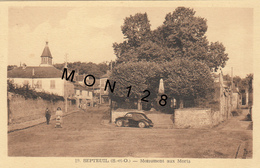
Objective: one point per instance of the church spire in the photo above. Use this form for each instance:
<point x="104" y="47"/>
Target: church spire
<point x="46" y="57"/>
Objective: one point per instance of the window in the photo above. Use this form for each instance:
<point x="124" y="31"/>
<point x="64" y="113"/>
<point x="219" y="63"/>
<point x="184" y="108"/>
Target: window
<point x="138" y="116"/>
<point x="52" y="84"/>
<point x="11" y="80"/>
<point x="102" y="83"/>
<point x="26" y="82"/>
<point x="38" y="84"/>
<point x="128" y="115"/>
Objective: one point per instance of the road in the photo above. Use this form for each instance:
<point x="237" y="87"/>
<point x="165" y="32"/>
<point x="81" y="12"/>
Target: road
<point x="83" y="135"/>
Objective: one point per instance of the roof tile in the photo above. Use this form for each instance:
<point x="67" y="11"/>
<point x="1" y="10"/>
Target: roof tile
<point x="35" y="72"/>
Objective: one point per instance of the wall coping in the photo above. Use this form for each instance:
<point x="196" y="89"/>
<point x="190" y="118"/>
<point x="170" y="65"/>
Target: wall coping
<point x="193" y="109"/>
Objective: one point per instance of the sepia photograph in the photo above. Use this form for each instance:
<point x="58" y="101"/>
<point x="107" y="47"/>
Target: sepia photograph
<point x="130" y="83"/>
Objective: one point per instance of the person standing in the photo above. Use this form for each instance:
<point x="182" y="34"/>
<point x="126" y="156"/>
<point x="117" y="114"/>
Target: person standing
<point x="59" y="114"/>
<point x="48" y="116"/>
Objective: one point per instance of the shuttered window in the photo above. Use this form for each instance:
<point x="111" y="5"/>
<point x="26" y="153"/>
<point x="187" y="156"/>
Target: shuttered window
<point x="38" y="84"/>
<point x="26" y="82"/>
<point x="52" y="84"/>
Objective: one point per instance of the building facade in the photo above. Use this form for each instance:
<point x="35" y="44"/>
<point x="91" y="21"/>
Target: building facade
<point x="43" y="78"/>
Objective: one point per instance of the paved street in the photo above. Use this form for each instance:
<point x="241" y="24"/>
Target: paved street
<point x="84" y="135"/>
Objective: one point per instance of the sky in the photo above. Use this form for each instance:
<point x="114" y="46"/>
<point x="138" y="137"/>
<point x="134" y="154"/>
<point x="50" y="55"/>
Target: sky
<point x="87" y="34"/>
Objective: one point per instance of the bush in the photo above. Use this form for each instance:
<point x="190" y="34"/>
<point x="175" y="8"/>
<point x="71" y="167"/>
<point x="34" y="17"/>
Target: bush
<point x="30" y="93"/>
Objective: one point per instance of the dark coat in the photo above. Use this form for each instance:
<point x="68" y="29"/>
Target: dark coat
<point x="47" y="113"/>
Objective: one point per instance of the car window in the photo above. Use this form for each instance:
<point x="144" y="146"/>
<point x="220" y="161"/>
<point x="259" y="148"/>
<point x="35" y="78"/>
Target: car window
<point x="128" y="115"/>
<point x="138" y="116"/>
<point x="144" y="116"/>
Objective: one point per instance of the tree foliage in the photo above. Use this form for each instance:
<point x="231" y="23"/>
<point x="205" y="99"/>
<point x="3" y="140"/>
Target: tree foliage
<point x="177" y="51"/>
<point x="246" y="83"/>
<point x="182" y="34"/>
<point x="185" y="79"/>
<point x="139" y="75"/>
<point x="217" y="56"/>
<point x="182" y="79"/>
<point x="86" y="68"/>
<point x="236" y="81"/>
<point x="11" y="67"/>
<point x="240" y="83"/>
<point x="136" y="29"/>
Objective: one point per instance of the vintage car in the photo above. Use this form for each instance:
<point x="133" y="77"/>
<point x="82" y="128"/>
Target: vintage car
<point x="134" y="119"/>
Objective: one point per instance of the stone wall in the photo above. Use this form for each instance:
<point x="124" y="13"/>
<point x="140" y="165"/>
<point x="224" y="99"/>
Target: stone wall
<point x="116" y="115"/>
<point x="197" y="118"/>
<point x="22" y="110"/>
<point x="161" y="120"/>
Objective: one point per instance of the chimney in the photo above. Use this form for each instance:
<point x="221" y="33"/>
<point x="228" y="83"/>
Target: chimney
<point x="24" y="66"/>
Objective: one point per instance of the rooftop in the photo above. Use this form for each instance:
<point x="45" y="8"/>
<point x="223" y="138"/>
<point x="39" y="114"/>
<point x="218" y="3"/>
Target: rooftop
<point x="46" y="51"/>
<point x="34" y="72"/>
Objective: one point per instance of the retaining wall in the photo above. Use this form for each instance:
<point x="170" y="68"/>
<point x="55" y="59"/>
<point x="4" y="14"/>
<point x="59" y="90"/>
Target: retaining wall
<point x="197" y="118"/>
<point x="23" y="110"/>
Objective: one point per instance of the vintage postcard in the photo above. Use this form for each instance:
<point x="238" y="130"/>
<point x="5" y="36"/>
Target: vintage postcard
<point x="129" y="84"/>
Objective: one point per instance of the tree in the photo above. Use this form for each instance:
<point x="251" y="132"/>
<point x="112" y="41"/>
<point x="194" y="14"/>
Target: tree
<point x="227" y="78"/>
<point x="246" y="83"/>
<point x="185" y="79"/>
<point x="249" y="79"/>
<point x="11" y="67"/>
<point x="86" y="68"/>
<point x="182" y="34"/>
<point x="179" y="46"/>
<point x="139" y="75"/>
<point x="103" y="67"/>
<point x="136" y="29"/>
<point x="217" y="56"/>
<point x="236" y="81"/>
<point x="59" y="66"/>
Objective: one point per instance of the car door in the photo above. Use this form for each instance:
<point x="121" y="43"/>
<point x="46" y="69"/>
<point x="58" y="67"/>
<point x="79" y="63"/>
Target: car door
<point x="132" y="119"/>
<point x="136" y="118"/>
<point x="128" y="119"/>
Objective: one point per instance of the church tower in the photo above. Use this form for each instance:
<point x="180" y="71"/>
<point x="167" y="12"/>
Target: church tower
<point x="46" y="58"/>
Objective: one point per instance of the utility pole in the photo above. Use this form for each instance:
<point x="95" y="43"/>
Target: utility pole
<point x="93" y="97"/>
<point x="231" y="98"/>
<point x="100" y="91"/>
<point x="110" y="100"/>
<point x="65" y="87"/>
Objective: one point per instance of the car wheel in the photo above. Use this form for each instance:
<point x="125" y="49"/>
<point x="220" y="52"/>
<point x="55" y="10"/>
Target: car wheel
<point x="141" y="124"/>
<point x="119" y="123"/>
